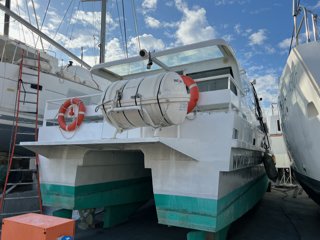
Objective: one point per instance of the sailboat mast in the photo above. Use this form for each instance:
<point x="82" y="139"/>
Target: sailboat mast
<point x="102" y="29"/>
<point x="6" y="19"/>
<point x="44" y="36"/>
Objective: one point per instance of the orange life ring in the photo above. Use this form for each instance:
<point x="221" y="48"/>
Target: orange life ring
<point x="77" y="121"/>
<point x="194" y="92"/>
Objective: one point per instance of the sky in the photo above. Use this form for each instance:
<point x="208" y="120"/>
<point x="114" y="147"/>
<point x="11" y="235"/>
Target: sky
<point x="258" y="31"/>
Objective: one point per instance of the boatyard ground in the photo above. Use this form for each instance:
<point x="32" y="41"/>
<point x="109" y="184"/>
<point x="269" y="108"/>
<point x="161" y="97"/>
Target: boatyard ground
<point x="282" y="214"/>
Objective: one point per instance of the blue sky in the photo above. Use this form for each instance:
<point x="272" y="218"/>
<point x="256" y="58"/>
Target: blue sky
<point x="259" y="31"/>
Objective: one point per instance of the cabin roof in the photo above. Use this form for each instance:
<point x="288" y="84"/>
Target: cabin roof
<point x="168" y="60"/>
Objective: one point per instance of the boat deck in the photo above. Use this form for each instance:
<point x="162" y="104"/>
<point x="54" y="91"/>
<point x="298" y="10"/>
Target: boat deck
<point x="279" y="216"/>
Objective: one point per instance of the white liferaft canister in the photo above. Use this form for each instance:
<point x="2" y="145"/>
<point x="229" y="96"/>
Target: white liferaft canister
<point x="158" y="100"/>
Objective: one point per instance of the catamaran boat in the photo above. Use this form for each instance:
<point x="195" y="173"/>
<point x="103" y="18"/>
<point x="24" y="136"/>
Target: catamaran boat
<point x="174" y="125"/>
<point x="300" y="105"/>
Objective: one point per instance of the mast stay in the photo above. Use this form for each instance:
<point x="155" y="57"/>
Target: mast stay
<point x="44" y="36"/>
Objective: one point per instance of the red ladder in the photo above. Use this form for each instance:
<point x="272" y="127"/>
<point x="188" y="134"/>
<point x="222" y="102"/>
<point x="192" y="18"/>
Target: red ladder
<point x="21" y="192"/>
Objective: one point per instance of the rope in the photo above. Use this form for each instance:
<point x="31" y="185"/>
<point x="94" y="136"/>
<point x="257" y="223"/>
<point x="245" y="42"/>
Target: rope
<point x="35" y="16"/>
<point x="72" y="27"/>
<point x="64" y="16"/>
<point x="70" y="18"/>
<point x="21" y="26"/>
<point x="125" y="28"/>
<point x="44" y="17"/>
<point x="121" y="31"/>
<point x="34" y="41"/>
<point x="134" y="13"/>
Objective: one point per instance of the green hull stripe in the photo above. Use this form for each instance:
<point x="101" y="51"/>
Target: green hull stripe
<point x="209" y="214"/>
<point x="97" y="195"/>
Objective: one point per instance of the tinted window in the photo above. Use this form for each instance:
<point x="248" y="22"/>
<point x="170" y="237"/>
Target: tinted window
<point x="233" y="88"/>
<point x="212" y="85"/>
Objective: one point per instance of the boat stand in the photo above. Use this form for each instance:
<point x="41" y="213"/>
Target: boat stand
<point x="202" y="235"/>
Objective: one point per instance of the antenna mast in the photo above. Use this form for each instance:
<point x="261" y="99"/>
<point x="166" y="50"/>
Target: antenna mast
<point x="103" y="28"/>
<point x="6" y="19"/>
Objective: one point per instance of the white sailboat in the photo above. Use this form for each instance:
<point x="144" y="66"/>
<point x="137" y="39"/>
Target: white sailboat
<point x="55" y="81"/>
<point x="279" y="149"/>
<point x="201" y="159"/>
<point x="300" y="105"/>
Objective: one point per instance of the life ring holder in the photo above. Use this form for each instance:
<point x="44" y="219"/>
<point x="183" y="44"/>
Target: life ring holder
<point x="194" y="92"/>
<point x="77" y="120"/>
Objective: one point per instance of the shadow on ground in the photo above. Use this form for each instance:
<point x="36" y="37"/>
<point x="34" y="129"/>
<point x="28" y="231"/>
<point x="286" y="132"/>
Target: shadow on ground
<point x="278" y="216"/>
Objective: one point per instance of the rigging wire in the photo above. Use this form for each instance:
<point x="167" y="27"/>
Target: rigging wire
<point x="64" y="16"/>
<point x="72" y="27"/>
<point x="34" y="41"/>
<point x="120" y="25"/>
<point x="125" y="29"/>
<point x="293" y="31"/>
<point x="44" y="17"/>
<point x="94" y="24"/>
<point x="70" y="18"/>
<point x="21" y="26"/>
<point x="134" y="13"/>
<point x="35" y="16"/>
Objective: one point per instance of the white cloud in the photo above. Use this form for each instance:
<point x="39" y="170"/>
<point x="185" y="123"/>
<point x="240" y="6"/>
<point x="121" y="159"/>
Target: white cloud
<point x="285" y="44"/>
<point x="228" y="37"/>
<point x="243" y="32"/>
<point x="152" y="22"/>
<point x="267" y="88"/>
<point x="147" y="41"/>
<point x="228" y="2"/>
<point x="91" y="19"/>
<point x="317" y="5"/>
<point x="149" y="4"/>
<point x="36" y="5"/>
<point x="258" y="38"/>
<point x="270" y="50"/>
<point x="155" y="23"/>
<point x="194" y="26"/>
<point x="114" y="50"/>
<point x="237" y="28"/>
<point x="169" y="3"/>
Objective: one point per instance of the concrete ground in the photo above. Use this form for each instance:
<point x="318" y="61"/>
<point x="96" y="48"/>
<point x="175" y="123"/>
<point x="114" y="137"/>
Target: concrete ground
<point x="278" y="216"/>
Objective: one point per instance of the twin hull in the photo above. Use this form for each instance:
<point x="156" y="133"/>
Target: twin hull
<point x="206" y="171"/>
<point x="202" y="183"/>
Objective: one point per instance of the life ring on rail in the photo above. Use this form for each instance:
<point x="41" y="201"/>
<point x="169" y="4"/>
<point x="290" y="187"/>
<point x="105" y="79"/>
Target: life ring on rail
<point x="78" y="120"/>
<point x="194" y="92"/>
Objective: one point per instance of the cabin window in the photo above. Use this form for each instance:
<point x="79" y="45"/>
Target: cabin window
<point x="212" y="85"/>
<point x="233" y="88"/>
<point x="211" y="73"/>
<point x="278" y="124"/>
<point x="254" y="142"/>
<point x="235" y="134"/>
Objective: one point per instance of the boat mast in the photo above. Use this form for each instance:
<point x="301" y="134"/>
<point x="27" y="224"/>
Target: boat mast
<point x="44" y="36"/>
<point x="6" y="19"/>
<point x="103" y="28"/>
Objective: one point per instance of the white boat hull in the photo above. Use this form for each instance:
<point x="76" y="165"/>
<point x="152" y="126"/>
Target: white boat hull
<point x="206" y="172"/>
<point x="299" y="107"/>
<point x="53" y="87"/>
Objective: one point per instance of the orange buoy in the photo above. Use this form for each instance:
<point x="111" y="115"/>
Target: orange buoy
<point x="77" y="121"/>
<point x="194" y="92"/>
